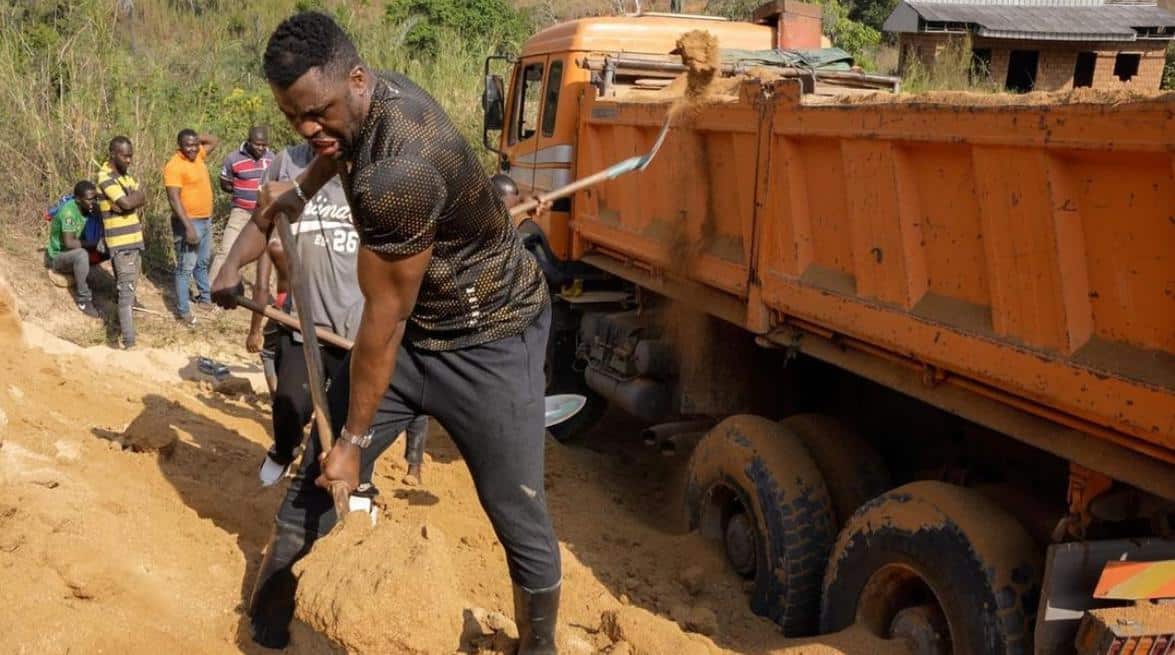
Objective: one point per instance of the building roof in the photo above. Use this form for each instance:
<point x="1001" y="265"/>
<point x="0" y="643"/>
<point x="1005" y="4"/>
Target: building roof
<point x="1065" y="20"/>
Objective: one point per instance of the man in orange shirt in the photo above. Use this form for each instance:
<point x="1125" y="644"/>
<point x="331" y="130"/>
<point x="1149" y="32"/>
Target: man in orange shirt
<point x="189" y="191"/>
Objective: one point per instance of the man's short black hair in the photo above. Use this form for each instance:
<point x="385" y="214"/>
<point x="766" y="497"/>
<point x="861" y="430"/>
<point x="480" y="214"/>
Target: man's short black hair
<point x="82" y="187"/>
<point x="307" y="40"/>
<point x="117" y="141"/>
<point x="504" y="184"/>
<point x="260" y="130"/>
<point x="185" y="133"/>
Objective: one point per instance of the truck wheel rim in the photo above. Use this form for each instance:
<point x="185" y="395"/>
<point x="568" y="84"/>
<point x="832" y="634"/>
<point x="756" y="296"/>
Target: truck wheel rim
<point x="898" y="602"/>
<point x="740" y="544"/>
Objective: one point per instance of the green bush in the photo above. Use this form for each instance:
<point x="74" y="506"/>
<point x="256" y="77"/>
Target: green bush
<point x="423" y="24"/>
<point x="1169" y="69"/>
<point x="73" y="75"/>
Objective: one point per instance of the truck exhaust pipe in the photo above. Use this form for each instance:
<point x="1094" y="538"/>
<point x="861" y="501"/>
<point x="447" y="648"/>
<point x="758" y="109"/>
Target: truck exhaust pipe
<point x="656" y="434"/>
<point x="645" y="399"/>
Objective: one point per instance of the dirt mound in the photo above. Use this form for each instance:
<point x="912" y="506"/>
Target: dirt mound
<point x="131" y="521"/>
<point x="1082" y="96"/>
<point x="358" y="577"/>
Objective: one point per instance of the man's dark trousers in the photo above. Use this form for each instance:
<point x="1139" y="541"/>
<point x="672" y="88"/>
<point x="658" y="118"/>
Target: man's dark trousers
<point x="489" y="398"/>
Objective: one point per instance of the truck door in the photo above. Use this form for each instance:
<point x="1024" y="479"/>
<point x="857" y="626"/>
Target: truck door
<point x="555" y="152"/>
<point x="523" y="126"/>
<point x="552" y="158"/>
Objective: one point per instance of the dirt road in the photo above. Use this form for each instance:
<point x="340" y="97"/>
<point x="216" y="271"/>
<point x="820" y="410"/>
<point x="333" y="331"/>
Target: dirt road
<point x="130" y="521"/>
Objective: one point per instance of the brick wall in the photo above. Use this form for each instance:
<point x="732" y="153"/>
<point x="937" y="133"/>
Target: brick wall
<point x="1057" y="61"/>
<point x="1150" y="68"/>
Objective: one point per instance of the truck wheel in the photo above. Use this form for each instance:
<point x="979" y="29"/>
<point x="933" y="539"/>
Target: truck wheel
<point x="938" y="565"/>
<point x="753" y="485"/>
<point x="851" y="468"/>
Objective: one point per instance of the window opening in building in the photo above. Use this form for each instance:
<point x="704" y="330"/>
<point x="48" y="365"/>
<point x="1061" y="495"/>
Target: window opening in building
<point x="980" y="64"/>
<point x="1022" y="70"/>
<point x="1126" y="65"/>
<point x="1083" y="71"/>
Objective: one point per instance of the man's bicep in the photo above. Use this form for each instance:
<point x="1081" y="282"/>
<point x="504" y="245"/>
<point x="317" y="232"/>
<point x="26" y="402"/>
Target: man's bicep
<point x="390" y="284"/>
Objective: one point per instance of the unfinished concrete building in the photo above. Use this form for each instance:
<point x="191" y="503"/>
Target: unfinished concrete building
<point x="1045" y="45"/>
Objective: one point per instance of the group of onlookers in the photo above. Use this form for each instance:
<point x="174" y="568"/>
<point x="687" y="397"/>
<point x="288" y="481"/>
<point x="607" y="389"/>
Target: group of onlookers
<point x="102" y="220"/>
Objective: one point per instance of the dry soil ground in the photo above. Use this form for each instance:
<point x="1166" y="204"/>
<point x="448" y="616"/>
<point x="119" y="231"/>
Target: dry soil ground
<point x="131" y="522"/>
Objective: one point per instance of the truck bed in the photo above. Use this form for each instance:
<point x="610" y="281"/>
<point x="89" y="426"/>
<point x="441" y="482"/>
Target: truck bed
<point x="1017" y="248"/>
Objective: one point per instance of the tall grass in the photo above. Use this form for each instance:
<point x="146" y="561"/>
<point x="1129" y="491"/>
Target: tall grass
<point x="953" y="69"/>
<point x="73" y="75"/>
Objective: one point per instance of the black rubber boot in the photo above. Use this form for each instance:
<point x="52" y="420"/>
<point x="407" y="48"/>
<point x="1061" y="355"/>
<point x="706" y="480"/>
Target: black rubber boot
<point x="536" y="614"/>
<point x="272" y="606"/>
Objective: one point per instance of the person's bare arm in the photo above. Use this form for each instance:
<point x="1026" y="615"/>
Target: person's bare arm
<point x="132" y="200"/>
<point x="249" y="246"/>
<point x="320" y="171"/>
<point x="226" y="185"/>
<point x="261" y="297"/>
<point x="177" y="208"/>
<point x="390" y="286"/>
<point x="209" y="141"/>
<point x="71" y="241"/>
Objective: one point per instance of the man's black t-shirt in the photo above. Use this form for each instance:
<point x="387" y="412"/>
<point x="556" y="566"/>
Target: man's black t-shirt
<point x="415" y="182"/>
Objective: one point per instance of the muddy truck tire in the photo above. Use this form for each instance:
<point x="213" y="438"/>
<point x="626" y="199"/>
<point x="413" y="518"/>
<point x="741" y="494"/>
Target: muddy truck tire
<point x="852" y="469"/>
<point x="939" y="565"/>
<point x="753" y="485"/>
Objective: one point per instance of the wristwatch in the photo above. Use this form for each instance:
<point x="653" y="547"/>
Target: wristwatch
<point x="361" y="440"/>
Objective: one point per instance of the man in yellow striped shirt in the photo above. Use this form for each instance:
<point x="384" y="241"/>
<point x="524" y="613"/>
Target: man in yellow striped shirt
<point x="120" y="202"/>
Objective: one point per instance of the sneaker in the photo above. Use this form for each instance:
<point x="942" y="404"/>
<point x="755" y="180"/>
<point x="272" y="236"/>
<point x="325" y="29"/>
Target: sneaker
<point x="205" y="306"/>
<point x="274" y="467"/>
<point x="187" y="319"/>
<point x="89" y="310"/>
<point x="271" y="472"/>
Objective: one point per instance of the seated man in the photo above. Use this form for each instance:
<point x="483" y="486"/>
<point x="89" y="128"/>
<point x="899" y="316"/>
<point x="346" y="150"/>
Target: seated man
<point x="66" y="252"/>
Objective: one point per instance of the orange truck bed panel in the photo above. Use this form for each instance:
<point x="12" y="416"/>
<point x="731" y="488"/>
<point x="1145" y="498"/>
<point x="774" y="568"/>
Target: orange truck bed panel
<point x="1025" y="249"/>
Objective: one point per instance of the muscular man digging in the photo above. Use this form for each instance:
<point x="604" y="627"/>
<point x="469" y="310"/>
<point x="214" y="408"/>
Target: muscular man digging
<point x="456" y="316"/>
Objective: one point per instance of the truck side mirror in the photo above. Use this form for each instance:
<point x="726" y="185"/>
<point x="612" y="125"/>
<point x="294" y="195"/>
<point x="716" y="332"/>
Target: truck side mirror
<point x="493" y="103"/>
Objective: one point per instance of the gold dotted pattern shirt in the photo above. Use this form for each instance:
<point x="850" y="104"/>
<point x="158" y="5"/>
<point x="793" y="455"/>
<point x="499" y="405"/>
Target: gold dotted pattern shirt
<point x="415" y="182"/>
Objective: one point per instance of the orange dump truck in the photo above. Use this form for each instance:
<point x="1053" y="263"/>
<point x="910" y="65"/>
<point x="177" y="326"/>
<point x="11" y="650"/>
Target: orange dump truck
<point x="921" y="351"/>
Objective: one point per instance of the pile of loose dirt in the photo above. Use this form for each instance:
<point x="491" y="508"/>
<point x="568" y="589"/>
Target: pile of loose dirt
<point x="699" y="52"/>
<point x="131" y="521"/>
<point x="1084" y="96"/>
<point x="359" y="577"/>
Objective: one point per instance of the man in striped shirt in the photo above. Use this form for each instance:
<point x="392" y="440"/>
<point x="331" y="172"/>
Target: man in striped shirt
<point x="240" y="176"/>
<point x="120" y="201"/>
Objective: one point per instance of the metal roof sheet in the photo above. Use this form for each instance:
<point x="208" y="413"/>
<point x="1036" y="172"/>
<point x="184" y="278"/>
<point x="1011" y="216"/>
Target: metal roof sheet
<point x="1104" y="22"/>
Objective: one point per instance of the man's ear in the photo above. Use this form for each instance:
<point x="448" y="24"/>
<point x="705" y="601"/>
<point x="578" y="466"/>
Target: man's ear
<point x="358" y="80"/>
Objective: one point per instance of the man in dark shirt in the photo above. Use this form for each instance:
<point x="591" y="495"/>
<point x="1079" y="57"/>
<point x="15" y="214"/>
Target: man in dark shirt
<point x="455" y="320"/>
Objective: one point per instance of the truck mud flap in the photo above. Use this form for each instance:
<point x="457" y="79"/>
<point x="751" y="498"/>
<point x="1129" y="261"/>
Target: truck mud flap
<point x="1072" y="572"/>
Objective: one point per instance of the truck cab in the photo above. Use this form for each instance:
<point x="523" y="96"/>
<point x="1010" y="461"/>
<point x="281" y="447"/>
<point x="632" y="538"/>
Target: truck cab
<point x="537" y="114"/>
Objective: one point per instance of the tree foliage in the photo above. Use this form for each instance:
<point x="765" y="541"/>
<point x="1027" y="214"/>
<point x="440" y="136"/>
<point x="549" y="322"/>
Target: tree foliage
<point x="423" y="23"/>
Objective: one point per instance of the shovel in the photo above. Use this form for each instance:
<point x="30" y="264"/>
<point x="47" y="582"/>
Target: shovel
<point x="314" y="377"/>
<point x="636" y="163"/>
